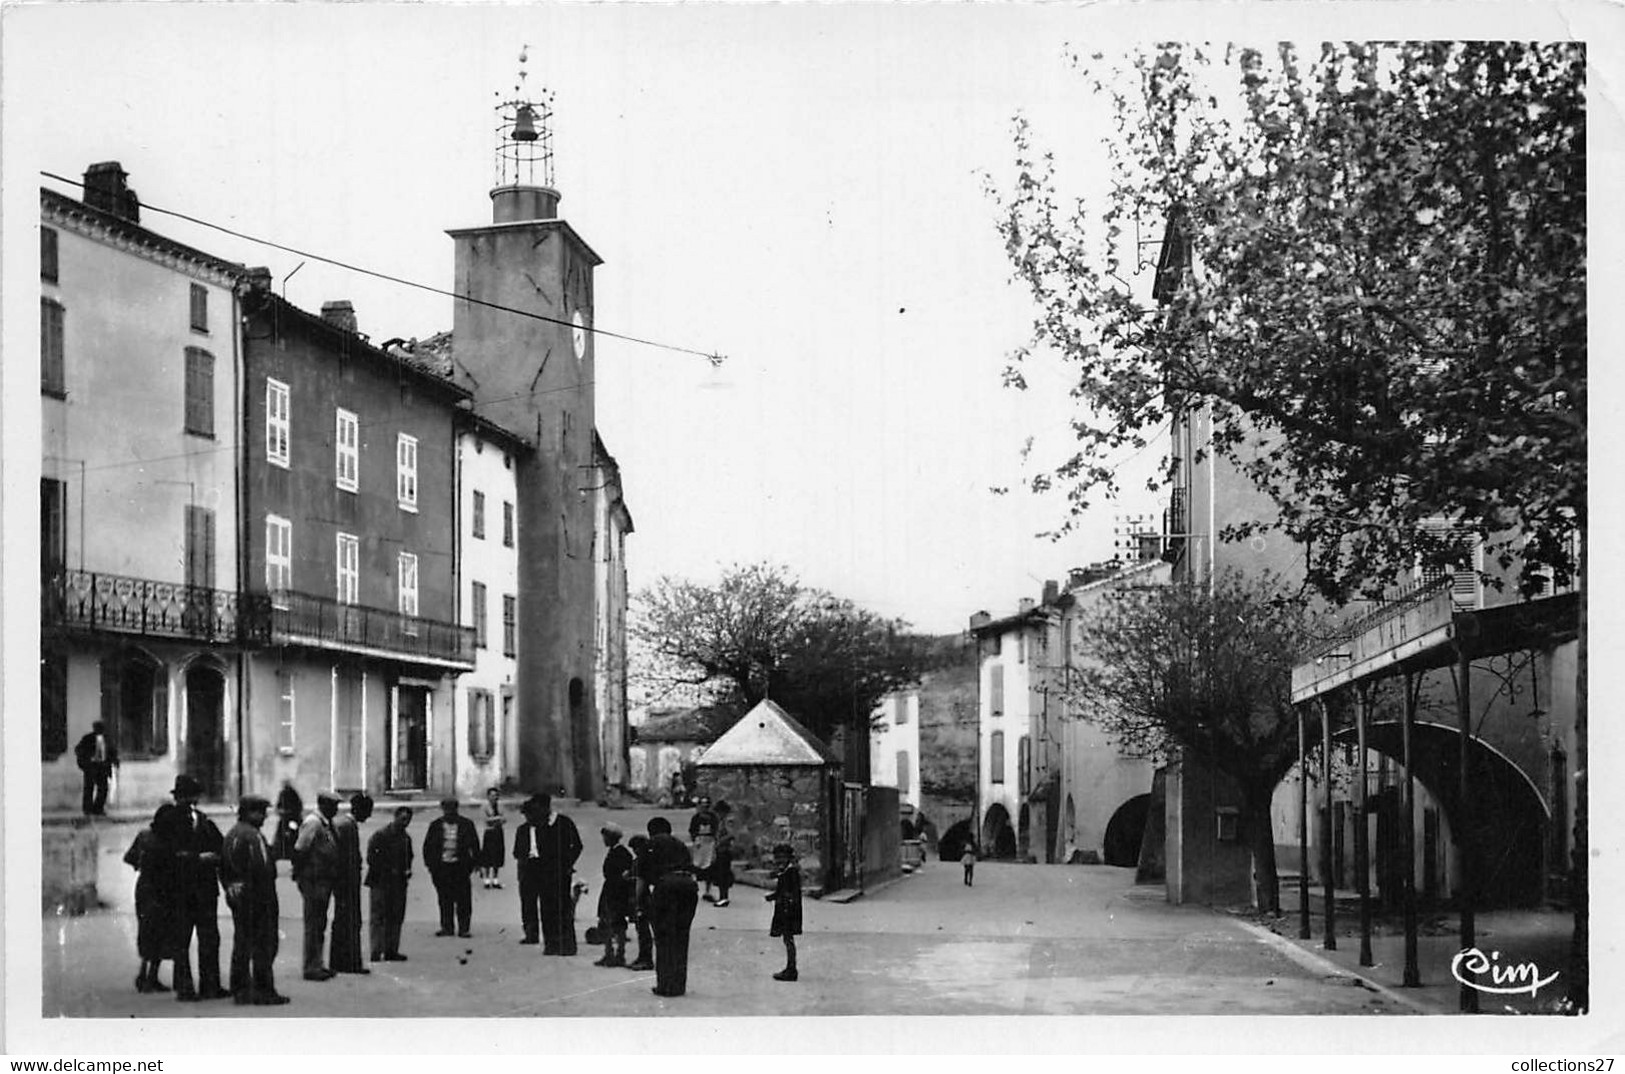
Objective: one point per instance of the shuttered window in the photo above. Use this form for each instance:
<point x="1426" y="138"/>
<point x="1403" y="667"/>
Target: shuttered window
<point x="199" y="392"/>
<point x="135" y="703"/>
<point x="47" y="254"/>
<point x="53" y="525"/>
<point x="200" y="308"/>
<point x="996" y="689"/>
<point x="276" y="422"/>
<point x="510" y="625"/>
<point x="902" y="772"/>
<point x="278" y="559"/>
<point x="53" y="361"/>
<point x="348" y="556"/>
<point x="407" y="570"/>
<point x="482" y="731"/>
<point x="478" y="518"/>
<point x="995" y="756"/>
<point x="285" y="716"/>
<point x="477" y="609"/>
<point x="406" y="472"/>
<point x="347" y="450"/>
<point x="199" y="547"/>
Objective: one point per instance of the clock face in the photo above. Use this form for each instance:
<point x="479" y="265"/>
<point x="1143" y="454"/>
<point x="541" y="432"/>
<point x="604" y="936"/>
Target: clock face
<point x="578" y="334"/>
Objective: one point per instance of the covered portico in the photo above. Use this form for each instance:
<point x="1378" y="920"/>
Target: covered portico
<point x="1486" y="798"/>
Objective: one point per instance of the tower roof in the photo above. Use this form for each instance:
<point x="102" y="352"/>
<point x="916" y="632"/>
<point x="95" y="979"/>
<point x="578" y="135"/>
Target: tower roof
<point x="767" y="735"/>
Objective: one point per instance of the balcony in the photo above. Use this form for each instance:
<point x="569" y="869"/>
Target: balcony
<point x="114" y="603"/>
<point x="301" y="619"/>
<point x="1176" y="523"/>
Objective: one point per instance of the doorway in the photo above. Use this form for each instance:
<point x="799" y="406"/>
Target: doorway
<point x="411" y="738"/>
<point x="581" y="737"/>
<point x="347" y="739"/>
<point x="205" y="729"/>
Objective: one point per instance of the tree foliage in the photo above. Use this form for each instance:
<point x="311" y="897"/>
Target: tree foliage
<point x="758" y="633"/>
<point x="1202" y="672"/>
<point x="1376" y="281"/>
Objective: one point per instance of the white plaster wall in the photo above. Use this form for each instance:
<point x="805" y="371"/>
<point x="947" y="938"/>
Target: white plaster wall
<point x="488" y="467"/>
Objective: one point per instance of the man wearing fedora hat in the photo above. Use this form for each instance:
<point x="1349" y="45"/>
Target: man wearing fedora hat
<point x="187" y="848"/>
<point x="546" y="847"/>
<point x="316" y="870"/>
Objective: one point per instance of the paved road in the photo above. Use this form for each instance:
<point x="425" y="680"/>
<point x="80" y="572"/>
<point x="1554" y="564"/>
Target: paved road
<point x="1026" y="939"/>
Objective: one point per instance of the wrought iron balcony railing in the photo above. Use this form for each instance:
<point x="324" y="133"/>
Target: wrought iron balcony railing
<point x="116" y="603"/>
<point x="298" y="618"/>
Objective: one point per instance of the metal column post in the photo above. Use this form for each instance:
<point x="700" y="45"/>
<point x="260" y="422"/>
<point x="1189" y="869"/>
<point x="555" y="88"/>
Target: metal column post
<point x="1362" y="846"/>
<point x="1464" y="840"/>
<point x="1325" y="829"/>
<point x="1303" y="830"/>
<point x="1407" y="823"/>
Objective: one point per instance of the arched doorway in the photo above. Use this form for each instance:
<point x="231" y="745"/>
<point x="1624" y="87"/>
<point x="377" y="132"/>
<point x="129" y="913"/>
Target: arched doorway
<point x="581" y="740"/>
<point x="135" y="703"/>
<point x="1504" y="832"/>
<point x="1126" y="831"/>
<point x="998" y="835"/>
<point x="205" y="757"/>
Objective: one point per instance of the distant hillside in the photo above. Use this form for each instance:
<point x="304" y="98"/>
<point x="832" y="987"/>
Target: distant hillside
<point x="948" y="719"/>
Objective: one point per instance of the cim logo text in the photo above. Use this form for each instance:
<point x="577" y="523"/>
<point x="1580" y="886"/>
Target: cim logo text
<point x="1505" y="979"/>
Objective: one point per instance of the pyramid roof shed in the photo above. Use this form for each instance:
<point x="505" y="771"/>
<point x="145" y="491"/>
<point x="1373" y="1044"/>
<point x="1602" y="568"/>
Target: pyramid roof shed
<point x="767" y="736"/>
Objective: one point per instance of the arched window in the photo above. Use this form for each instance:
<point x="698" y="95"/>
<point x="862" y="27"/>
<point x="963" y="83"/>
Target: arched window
<point x="135" y="703"/>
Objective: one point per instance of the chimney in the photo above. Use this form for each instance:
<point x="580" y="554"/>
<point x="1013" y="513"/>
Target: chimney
<point x="258" y="278"/>
<point x="980" y="619"/>
<point x="1052" y="591"/>
<point x="1025" y="605"/>
<point x="105" y="189"/>
<point x="340" y="314"/>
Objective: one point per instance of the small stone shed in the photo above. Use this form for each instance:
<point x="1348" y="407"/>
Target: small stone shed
<point x="783" y="785"/>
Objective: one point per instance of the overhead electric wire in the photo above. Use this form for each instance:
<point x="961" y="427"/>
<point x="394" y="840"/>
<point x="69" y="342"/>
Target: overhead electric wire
<point x="712" y="357"/>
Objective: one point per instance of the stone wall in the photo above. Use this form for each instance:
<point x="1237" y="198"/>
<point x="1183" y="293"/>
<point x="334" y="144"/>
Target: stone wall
<point x="782" y="804"/>
<point x="68" y="858"/>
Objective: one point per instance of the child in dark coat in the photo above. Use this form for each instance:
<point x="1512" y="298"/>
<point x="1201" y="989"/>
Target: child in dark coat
<point x="786" y="900"/>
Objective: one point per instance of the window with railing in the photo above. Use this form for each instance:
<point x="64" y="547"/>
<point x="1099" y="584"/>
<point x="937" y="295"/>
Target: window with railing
<point x="278" y="558"/>
<point x="347" y="450"/>
<point x="407" y="586"/>
<point x="199" y="547"/>
<point x="53" y="526"/>
<point x="348" y="549"/>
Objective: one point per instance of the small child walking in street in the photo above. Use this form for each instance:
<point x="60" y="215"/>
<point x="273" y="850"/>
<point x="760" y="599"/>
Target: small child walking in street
<point x="786" y="900"/>
<point x="968" y="860"/>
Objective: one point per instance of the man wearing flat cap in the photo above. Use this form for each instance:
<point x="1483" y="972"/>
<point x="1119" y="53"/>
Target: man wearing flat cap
<point x="451" y="853"/>
<point x="249" y="871"/>
<point x="316" y="870"/>
<point x="186" y="858"/>
<point x="546" y="847"/>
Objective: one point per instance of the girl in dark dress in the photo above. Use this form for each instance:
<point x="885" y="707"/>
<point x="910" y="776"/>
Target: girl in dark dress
<point x="148" y="926"/>
<point x="786" y="900"/>
<point x="492" y="850"/>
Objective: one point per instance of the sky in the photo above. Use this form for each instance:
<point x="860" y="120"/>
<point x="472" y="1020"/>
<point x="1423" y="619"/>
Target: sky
<point x="799" y="187"/>
<point x="803" y="189"/>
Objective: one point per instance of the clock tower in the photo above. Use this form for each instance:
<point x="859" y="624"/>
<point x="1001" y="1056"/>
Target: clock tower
<point x="523" y="345"/>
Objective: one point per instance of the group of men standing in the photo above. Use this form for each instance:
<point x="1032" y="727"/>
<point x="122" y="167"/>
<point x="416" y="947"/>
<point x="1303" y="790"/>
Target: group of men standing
<point x="184" y="863"/>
